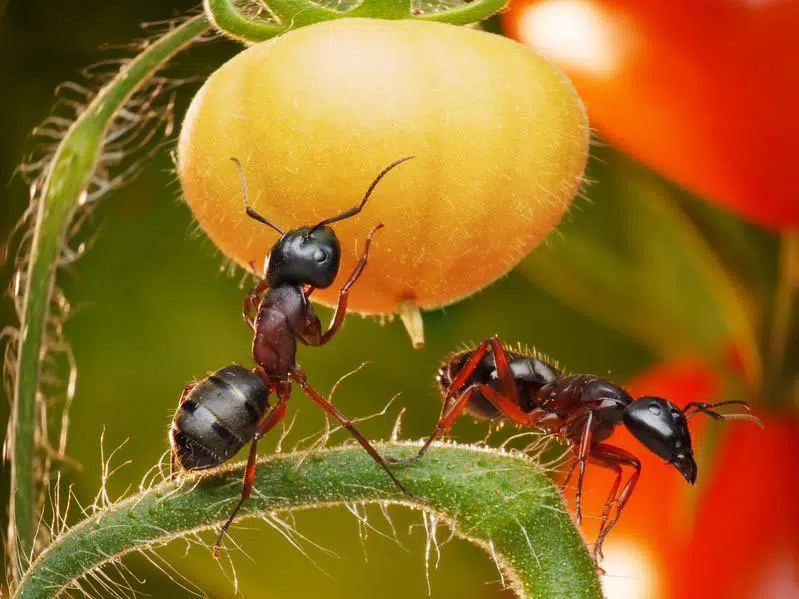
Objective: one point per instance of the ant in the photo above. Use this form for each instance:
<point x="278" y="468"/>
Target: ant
<point x="494" y="382"/>
<point x="217" y="416"/>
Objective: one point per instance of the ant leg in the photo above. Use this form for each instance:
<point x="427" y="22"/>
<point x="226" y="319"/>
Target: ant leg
<point x="458" y="382"/>
<point x="276" y="415"/>
<point x="509" y="407"/>
<point x="506" y="382"/>
<point x="443" y="425"/>
<point x="582" y="457"/>
<point x="173" y="460"/>
<point x="514" y="413"/>
<point x="343" y="294"/>
<point x="298" y="375"/>
<point x="608" y="503"/>
<point x="613" y="457"/>
<point x="251" y="302"/>
<point x="246" y="489"/>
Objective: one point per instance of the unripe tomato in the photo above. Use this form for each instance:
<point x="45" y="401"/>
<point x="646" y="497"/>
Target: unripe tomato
<point x="500" y="139"/>
<point x="703" y="91"/>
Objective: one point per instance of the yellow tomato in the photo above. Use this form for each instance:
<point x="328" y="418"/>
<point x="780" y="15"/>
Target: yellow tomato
<point x="500" y="139"/>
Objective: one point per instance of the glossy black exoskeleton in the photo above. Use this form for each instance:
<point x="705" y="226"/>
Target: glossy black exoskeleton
<point x="217" y="417"/>
<point x="220" y="414"/>
<point x="498" y="383"/>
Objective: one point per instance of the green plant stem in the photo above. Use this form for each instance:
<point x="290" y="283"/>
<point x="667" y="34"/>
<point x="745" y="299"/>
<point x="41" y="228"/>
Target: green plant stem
<point x="292" y="14"/>
<point x="68" y="176"/>
<point x="229" y="20"/>
<point x="503" y="503"/>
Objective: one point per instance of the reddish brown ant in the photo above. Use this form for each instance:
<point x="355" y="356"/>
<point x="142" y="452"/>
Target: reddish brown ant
<point x="494" y="382"/>
<point x="216" y="417"/>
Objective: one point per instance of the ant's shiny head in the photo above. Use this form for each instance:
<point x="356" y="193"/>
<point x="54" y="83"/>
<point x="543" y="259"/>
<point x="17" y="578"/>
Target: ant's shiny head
<point x="304" y="256"/>
<point x="663" y="428"/>
<point x="308" y="255"/>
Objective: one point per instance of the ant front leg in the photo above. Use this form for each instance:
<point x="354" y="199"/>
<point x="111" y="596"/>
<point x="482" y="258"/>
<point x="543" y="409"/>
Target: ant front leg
<point x="343" y="294"/>
<point x="613" y="458"/>
<point x="276" y="415"/>
<point x="298" y="375"/>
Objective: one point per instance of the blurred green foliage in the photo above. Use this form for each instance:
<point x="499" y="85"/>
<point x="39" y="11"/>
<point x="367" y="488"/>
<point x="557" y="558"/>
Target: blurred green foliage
<point x="153" y="309"/>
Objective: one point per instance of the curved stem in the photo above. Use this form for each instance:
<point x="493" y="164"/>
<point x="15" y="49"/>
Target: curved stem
<point x="503" y="503"/>
<point x="68" y="176"/>
<point x="468" y="12"/>
<point x="293" y="14"/>
<point x="228" y="19"/>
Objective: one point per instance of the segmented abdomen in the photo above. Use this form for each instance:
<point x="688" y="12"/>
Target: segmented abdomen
<point x="218" y="417"/>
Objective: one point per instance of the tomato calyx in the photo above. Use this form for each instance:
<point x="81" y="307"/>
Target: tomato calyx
<point x="281" y="16"/>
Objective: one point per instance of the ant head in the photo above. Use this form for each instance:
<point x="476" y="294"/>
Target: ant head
<point x="304" y="256"/>
<point x="308" y="255"/>
<point x="663" y="429"/>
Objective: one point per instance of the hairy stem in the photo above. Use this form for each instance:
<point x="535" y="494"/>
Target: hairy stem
<point x="292" y="14"/>
<point x="67" y="177"/>
<point x="504" y="503"/>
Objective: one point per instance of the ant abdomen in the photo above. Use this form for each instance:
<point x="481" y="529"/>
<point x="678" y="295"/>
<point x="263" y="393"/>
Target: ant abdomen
<point x="217" y="417"/>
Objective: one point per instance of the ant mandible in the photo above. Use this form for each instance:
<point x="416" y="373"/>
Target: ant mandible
<point x="216" y="417"/>
<point x="494" y="382"/>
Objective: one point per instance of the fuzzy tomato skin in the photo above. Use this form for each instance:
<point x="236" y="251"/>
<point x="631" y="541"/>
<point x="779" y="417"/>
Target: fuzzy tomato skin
<point x="702" y="91"/>
<point x="500" y="138"/>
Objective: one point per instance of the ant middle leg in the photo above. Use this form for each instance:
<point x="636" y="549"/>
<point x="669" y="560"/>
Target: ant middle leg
<point x="298" y="375"/>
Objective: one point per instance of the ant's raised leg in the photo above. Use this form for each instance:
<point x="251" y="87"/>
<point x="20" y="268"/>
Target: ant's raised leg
<point x="276" y="415"/>
<point x="299" y="376"/>
<point x="344" y="293"/>
<point x="611" y="457"/>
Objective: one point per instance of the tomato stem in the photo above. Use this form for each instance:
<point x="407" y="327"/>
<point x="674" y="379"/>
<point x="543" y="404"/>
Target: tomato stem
<point x="283" y="15"/>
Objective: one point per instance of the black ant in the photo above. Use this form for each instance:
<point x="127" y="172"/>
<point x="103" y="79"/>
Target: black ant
<point x="497" y="383"/>
<point x="216" y="417"/>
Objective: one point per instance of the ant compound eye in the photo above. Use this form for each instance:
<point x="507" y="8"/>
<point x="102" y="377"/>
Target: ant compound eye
<point x="654" y="409"/>
<point x="320" y="255"/>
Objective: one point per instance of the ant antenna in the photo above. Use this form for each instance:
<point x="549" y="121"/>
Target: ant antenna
<point x="250" y="212"/>
<point x="359" y="207"/>
<point x="705" y="408"/>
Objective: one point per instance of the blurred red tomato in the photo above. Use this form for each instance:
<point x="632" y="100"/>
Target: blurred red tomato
<point x="703" y="91"/>
<point x="745" y="543"/>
